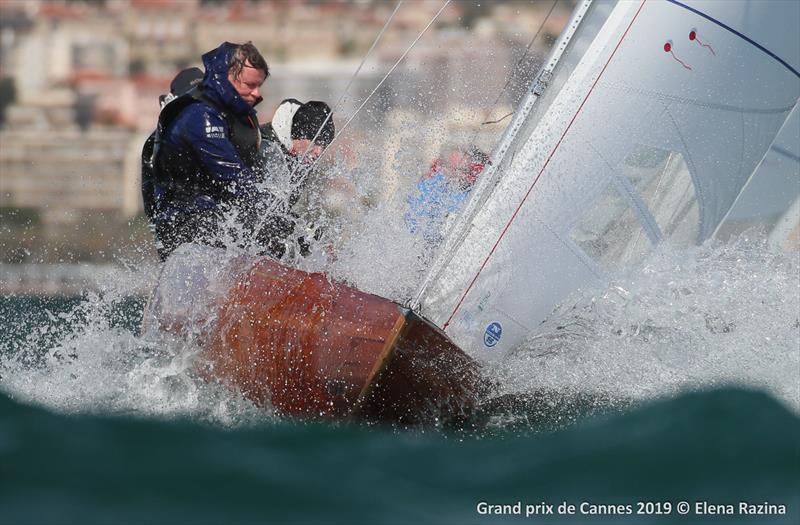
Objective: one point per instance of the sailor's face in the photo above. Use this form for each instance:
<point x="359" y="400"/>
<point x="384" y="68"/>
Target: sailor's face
<point x="248" y="85"/>
<point x="311" y="150"/>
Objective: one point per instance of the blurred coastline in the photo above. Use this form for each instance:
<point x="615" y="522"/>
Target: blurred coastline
<point x="68" y="280"/>
<point x="80" y="80"/>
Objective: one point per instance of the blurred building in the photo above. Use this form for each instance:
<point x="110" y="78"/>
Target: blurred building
<point x="160" y="33"/>
<point x="63" y="174"/>
<point x="82" y="78"/>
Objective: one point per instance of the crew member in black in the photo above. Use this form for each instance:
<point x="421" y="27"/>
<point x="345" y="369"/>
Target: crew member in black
<point x="291" y="144"/>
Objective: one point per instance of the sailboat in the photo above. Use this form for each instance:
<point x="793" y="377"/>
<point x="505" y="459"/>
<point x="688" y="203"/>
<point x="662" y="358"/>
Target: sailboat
<point x="643" y="126"/>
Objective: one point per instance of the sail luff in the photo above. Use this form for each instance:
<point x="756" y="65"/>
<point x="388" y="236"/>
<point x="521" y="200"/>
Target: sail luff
<point x="527" y="194"/>
<point x="489" y="179"/>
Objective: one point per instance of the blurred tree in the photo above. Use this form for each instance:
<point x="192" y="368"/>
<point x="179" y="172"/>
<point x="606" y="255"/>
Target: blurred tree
<point x="471" y="12"/>
<point x="84" y="110"/>
<point x="137" y="66"/>
<point x="8" y="95"/>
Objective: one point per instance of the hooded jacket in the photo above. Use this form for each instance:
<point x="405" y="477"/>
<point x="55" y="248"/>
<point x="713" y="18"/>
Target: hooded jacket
<point x="207" y="149"/>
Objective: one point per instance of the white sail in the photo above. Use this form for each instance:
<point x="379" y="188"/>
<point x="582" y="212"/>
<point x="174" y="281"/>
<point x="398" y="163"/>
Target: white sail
<point x="655" y="116"/>
<point x="771" y="199"/>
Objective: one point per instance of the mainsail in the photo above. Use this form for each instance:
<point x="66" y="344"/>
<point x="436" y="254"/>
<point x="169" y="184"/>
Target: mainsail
<point x="645" y="124"/>
<point x="771" y="199"/>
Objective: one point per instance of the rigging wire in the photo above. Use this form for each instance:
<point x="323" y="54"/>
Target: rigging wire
<point x="338" y="104"/>
<point x="397" y="63"/>
<point x="516" y="67"/>
<point x="350" y="83"/>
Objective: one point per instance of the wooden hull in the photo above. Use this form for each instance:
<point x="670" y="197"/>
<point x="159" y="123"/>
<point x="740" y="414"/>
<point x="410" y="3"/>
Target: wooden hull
<point x="314" y="348"/>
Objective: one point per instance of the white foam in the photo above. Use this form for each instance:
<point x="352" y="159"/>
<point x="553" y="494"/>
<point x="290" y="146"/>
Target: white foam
<point x="713" y="315"/>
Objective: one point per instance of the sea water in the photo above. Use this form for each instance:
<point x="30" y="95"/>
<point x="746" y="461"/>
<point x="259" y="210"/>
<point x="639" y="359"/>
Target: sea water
<point x="676" y="382"/>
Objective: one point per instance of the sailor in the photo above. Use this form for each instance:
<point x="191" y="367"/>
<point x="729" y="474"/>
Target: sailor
<point x="442" y="192"/>
<point x="204" y="156"/>
<point x="291" y="145"/>
<point x="294" y="140"/>
<point x="183" y="82"/>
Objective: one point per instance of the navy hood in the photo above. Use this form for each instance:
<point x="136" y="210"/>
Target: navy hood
<point x="216" y="85"/>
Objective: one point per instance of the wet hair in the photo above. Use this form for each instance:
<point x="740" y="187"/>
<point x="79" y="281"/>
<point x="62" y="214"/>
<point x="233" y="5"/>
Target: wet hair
<point x="247" y="53"/>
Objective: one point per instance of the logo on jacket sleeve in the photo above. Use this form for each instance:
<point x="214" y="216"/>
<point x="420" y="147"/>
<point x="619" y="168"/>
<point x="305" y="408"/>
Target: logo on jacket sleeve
<point x="212" y="131"/>
<point x="492" y="334"/>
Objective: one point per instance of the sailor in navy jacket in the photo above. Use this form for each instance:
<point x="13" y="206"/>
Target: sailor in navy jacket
<point x="203" y="160"/>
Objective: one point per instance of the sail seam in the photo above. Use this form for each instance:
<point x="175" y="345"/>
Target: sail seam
<point x="635" y="202"/>
<point x="646" y="220"/>
<point x="786" y="153"/>
<point x="699" y="191"/>
<point x="544" y="167"/>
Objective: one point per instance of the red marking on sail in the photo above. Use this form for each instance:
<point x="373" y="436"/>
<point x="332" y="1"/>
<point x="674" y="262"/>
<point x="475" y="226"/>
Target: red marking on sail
<point x="693" y="38"/>
<point x="684" y="64"/>
<point x="668" y="49"/>
<point x="547" y="162"/>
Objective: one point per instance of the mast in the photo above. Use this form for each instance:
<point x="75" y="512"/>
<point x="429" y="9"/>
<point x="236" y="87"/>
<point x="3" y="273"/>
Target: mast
<point x="490" y="177"/>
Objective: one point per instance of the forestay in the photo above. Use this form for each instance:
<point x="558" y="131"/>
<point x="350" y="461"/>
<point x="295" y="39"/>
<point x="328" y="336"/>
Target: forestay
<point x="654" y="116"/>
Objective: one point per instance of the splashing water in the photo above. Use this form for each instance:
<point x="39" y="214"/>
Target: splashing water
<point x="715" y="314"/>
<point x="92" y="358"/>
<point x="79" y="357"/>
<point x="687" y="319"/>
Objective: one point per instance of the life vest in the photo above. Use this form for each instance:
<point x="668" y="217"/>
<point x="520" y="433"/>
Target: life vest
<point x="171" y="178"/>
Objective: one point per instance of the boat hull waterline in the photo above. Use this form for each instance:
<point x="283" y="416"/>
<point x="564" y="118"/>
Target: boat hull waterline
<point x="309" y="347"/>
